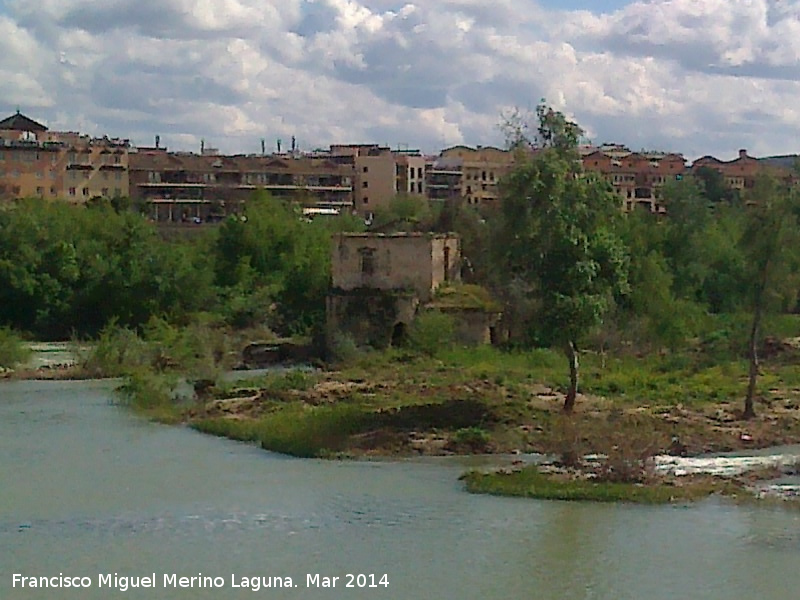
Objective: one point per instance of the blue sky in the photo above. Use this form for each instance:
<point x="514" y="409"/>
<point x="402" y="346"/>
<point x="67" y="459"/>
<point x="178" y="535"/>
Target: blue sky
<point x="692" y="76"/>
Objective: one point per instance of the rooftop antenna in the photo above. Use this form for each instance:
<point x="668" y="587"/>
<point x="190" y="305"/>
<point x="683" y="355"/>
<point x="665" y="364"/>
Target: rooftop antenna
<point x="294" y="144"/>
<point x="263" y="147"/>
<point x="158" y="141"/>
<point x="279" y="145"/>
<point x="202" y="145"/>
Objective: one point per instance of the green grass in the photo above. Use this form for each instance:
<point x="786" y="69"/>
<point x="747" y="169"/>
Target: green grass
<point x="530" y="483"/>
<point x="296" y="430"/>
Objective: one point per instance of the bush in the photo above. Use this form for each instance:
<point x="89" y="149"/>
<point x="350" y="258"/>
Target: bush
<point x="117" y="352"/>
<point x="472" y="439"/>
<point x="12" y="349"/>
<point x="146" y="391"/>
<point x="343" y="348"/>
<point x="431" y="332"/>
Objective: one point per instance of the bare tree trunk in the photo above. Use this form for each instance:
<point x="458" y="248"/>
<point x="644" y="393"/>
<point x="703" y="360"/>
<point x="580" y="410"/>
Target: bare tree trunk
<point x="749" y="410"/>
<point x="572" y="392"/>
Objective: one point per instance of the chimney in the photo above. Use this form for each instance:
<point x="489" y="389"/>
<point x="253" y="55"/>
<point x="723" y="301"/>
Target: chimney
<point x="742" y="153"/>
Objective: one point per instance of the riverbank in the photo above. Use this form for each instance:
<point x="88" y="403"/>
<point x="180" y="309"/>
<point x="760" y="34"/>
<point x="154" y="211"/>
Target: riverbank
<point x="486" y="401"/>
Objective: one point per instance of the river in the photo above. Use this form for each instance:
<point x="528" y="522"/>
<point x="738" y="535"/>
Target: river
<point x="88" y="489"/>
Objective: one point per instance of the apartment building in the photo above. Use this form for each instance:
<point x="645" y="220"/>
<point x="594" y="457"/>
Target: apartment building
<point x="637" y="177"/>
<point x="741" y="173"/>
<point x="474" y="173"/>
<point x="380" y="173"/>
<point x="37" y="162"/>
<point x="180" y="186"/>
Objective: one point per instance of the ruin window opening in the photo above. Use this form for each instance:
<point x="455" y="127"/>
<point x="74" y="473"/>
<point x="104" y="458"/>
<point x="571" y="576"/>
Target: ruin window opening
<point x="367" y="261"/>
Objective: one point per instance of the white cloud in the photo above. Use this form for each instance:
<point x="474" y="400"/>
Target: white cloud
<point x="698" y="76"/>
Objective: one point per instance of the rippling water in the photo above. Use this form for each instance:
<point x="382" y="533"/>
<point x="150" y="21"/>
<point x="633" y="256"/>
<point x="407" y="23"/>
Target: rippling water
<point x="86" y="488"/>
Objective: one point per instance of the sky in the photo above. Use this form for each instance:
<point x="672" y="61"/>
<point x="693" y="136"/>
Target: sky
<point x="691" y="76"/>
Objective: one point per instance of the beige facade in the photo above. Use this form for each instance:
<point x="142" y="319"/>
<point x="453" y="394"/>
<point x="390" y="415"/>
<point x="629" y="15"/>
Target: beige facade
<point x="380" y="174"/>
<point x="379" y="281"/>
<point x="417" y="262"/>
<point x="36" y="162"/>
<point x="480" y="169"/>
<point x="375" y="183"/>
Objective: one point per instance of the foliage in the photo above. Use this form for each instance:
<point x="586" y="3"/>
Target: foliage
<point x="558" y="241"/>
<point x="769" y="245"/>
<point x="473" y="439"/>
<point x="151" y="394"/>
<point x="431" y="332"/>
<point x="13" y="350"/>
<point x="465" y="296"/>
<point x="67" y="269"/>
<point x="404" y="212"/>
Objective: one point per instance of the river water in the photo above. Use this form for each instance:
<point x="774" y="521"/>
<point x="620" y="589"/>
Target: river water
<point x="88" y="489"/>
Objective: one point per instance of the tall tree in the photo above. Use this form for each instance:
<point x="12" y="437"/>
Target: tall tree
<point x="558" y="240"/>
<point x="769" y="244"/>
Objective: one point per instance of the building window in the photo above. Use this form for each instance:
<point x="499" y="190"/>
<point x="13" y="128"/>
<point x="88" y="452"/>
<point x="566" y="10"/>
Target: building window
<point x="365" y="169"/>
<point x="367" y="256"/>
<point x="72" y="191"/>
<point x="419" y="173"/>
<point x="104" y="192"/>
<point x="40" y="191"/>
<point x="365" y="200"/>
<point x="365" y="184"/>
<point x="52" y="191"/>
<point x="85" y="191"/>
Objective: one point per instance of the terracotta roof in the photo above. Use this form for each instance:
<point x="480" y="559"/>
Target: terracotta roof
<point x="20" y="122"/>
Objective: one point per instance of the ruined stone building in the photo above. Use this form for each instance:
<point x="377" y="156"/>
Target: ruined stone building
<point x="381" y="282"/>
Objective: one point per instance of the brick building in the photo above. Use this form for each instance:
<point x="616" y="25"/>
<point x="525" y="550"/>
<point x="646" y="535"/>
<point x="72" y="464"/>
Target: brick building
<point x="178" y="186"/>
<point x="37" y="162"/>
<point x="637" y="177"/>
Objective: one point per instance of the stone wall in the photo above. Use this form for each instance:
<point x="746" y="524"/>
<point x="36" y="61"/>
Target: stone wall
<point x="409" y="261"/>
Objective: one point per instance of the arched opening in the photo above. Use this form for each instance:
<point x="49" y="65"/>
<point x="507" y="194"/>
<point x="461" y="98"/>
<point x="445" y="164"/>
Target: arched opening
<point x="399" y="335"/>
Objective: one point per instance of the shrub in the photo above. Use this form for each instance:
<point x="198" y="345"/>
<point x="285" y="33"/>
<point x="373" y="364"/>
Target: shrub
<point x="343" y="348"/>
<point x="144" y="390"/>
<point x="12" y="349"/>
<point x="431" y="332"/>
<point x="117" y="352"/>
<point x="472" y="439"/>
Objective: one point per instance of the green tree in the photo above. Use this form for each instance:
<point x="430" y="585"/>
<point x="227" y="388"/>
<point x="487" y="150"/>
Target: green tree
<point x="769" y="244"/>
<point x="559" y="240"/>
